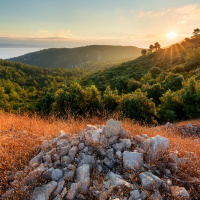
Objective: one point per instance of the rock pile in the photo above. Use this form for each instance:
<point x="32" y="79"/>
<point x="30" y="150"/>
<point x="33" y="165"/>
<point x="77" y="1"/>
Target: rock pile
<point x="189" y="130"/>
<point x="100" y="163"/>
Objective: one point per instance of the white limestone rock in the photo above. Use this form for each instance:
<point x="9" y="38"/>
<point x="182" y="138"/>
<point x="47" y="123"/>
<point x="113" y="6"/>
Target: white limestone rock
<point x="112" y="128"/>
<point x="150" y="181"/>
<point x="132" y="160"/>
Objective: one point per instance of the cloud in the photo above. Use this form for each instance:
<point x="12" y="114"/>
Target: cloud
<point x="181" y="15"/>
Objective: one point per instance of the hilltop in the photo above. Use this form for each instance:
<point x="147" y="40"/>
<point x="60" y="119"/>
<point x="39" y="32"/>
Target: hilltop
<point x="93" y="55"/>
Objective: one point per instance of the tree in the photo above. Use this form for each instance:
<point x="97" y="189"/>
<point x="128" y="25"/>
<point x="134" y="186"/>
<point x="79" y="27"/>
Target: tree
<point x="157" y="46"/>
<point x="144" y="52"/>
<point x="151" y="47"/>
<point x="196" y="32"/>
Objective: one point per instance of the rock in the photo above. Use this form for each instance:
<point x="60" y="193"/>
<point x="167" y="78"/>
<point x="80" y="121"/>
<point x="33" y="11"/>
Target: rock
<point x="144" y="195"/>
<point x="72" y="152"/>
<point x="118" y="146"/>
<point x="179" y="193"/>
<point x="86" y="159"/>
<point x="93" y="136"/>
<point x="99" y="168"/>
<point x="63" y="135"/>
<point x="65" y="161"/>
<point x="126" y="142"/>
<point x="150" y="181"/>
<point x="132" y="160"/>
<point x="112" y="139"/>
<point x="75" y="142"/>
<point x="69" y="174"/>
<point x="81" y="146"/>
<point x="62" y="143"/>
<point x="46" y="144"/>
<point x="63" y="193"/>
<point x="58" y="197"/>
<point x="44" y="192"/>
<point x="156" y="195"/>
<point x="155" y="147"/>
<point x="57" y="174"/>
<point x="8" y="194"/>
<point x="56" y="164"/>
<point x="110" y="154"/>
<point x="112" y="128"/>
<point x="33" y="176"/>
<point x="85" y="150"/>
<point x="59" y="187"/>
<point x="118" y="154"/>
<point x="83" y="177"/>
<point x="108" y="162"/>
<point x="56" y="157"/>
<point x="64" y="150"/>
<point x="73" y="191"/>
<point x="102" y="151"/>
<point x="37" y="160"/>
<point x="134" y="195"/>
<point x="116" y="180"/>
<point x="47" y="159"/>
<point x="80" y="197"/>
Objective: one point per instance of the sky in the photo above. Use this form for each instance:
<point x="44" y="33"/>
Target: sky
<point x="72" y="23"/>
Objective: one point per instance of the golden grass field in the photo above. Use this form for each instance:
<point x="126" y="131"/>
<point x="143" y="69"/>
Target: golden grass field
<point x="20" y="135"/>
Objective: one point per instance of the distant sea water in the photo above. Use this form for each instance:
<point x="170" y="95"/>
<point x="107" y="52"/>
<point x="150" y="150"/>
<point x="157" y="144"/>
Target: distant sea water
<point x="6" y="53"/>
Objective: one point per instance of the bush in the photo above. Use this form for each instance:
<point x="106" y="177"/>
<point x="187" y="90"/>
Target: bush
<point x="178" y="69"/>
<point x="137" y="106"/>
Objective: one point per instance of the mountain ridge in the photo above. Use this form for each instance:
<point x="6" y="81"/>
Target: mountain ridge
<point x="79" y="56"/>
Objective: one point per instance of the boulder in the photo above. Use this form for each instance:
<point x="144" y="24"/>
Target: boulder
<point x="132" y="160"/>
<point x="150" y="181"/>
<point x="112" y="128"/>
<point x="83" y="177"/>
<point x="93" y="136"/>
<point x="155" y="147"/>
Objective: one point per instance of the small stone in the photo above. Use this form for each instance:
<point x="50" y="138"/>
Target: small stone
<point x="56" y="164"/>
<point x="156" y="195"/>
<point x="85" y="150"/>
<point x="57" y="174"/>
<point x="81" y="146"/>
<point x="62" y="143"/>
<point x="118" y="146"/>
<point x="127" y="143"/>
<point x="118" y="154"/>
<point x="108" y="162"/>
<point x="37" y="160"/>
<point x="56" y="157"/>
<point x="87" y="159"/>
<point x="134" y="195"/>
<point x="69" y="175"/>
<point x="144" y="195"/>
<point x="179" y="193"/>
<point x="110" y="154"/>
<point x="63" y="193"/>
<point x="59" y="187"/>
<point x="99" y="168"/>
<point x="72" y="152"/>
<point x="64" y="150"/>
<point x="102" y="151"/>
<point x="73" y="191"/>
<point x="65" y="161"/>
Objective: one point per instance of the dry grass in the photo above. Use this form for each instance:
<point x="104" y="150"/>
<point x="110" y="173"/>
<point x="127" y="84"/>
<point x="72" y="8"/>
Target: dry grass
<point x="17" y="146"/>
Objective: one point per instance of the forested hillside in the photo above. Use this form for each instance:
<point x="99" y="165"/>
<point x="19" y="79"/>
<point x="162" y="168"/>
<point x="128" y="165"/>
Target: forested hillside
<point x="161" y="86"/>
<point x="99" y="56"/>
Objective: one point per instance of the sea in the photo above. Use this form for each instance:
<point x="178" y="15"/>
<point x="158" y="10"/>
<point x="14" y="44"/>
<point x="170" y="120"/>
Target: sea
<point x="6" y="53"/>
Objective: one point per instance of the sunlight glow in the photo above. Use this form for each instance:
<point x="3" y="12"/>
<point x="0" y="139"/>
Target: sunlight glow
<point x="172" y="35"/>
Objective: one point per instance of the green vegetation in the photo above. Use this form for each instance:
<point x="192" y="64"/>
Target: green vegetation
<point x="161" y="86"/>
<point x="95" y="56"/>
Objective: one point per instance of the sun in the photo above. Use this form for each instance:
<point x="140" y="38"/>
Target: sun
<point x="172" y="35"/>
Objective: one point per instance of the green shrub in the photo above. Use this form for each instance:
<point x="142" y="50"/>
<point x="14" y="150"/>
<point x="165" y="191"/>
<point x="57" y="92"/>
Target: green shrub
<point x="137" y="106"/>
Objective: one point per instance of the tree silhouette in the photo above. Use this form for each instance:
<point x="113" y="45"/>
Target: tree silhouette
<point x="151" y="47"/>
<point x="196" y="32"/>
<point x="144" y="52"/>
<point x="157" y="46"/>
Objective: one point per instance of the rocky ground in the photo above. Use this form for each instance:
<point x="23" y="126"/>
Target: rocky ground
<point x="103" y="162"/>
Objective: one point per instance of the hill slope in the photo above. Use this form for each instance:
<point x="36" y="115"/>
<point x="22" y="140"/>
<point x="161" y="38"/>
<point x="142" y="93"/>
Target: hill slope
<point x="77" y="57"/>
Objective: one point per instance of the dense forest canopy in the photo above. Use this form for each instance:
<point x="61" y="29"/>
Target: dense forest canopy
<point x="163" y="85"/>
